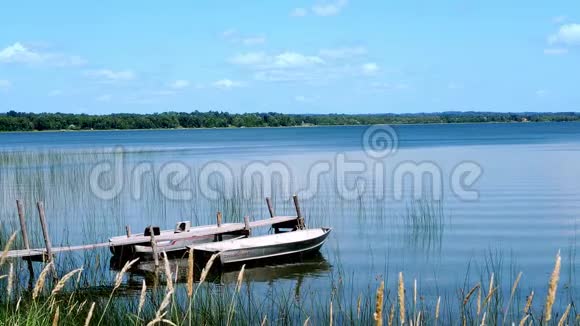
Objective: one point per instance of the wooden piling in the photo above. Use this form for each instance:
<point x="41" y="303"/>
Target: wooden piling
<point x="247" y="227"/>
<point x="128" y="230"/>
<point x="219" y="219"/>
<point x="154" y="247"/>
<point x="270" y="208"/>
<point x="25" y="239"/>
<point x="272" y="213"/>
<point x="44" y="225"/>
<point x="218" y="237"/>
<point x="301" y="224"/>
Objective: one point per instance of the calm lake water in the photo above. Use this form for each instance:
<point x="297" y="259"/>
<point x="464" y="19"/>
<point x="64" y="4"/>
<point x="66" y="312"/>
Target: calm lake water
<point x="523" y="207"/>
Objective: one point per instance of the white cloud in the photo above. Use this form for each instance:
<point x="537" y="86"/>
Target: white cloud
<point x="282" y="60"/>
<point x="104" y="98"/>
<point x="233" y="36"/>
<point x="387" y="87"/>
<point x="567" y="34"/>
<point x="226" y="84"/>
<point x="329" y="9"/>
<point x="62" y="60"/>
<point x="299" y="12"/>
<point x="254" y="40"/>
<point x="559" y="19"/>
<point x="291" y="66"/>
<point x="555" y="51"/>
<point x="370" y="68"/>
<point x="294" y="59"/>
<point x="111" y="75"/>
<point x="55" y="92"/>
<point x="343" y="52"/>
<point x="19" y="53"/>
<point x="541" y="93"/>
<point x="304" y="99"/>
<point x="229" y="33"/>
<point x="164" y="92"/>
<point x="453" y="85"/>
<point x="179" y="84"/>
<point x="250" y="58"/>
<point x="280" y="75"/>
<point x="5" y="84"/>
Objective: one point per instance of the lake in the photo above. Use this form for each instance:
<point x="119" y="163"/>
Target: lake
<point x="444" y="204"/>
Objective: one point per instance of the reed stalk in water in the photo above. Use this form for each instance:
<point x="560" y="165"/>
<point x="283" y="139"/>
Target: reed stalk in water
<point x="237" y="290"/>
<point x="118" y="281"/>
<point x="391" y="315"/>
<point x="401" y="297"/>
<point x="529" y="301"/>
<point x="167" y="270"/>
<point x="41" y="280"/>
<point x="90" y="314"/>
<point x="552" y="289"/>
<point x="60" y="285"/>
<point x="564" y="319"/>
<point x="7" y="248"/>
<point x="514" y="287"/>
<point x="378" y="316"/>
<point x="142" y="298"/>
<point x="56" y="316"/>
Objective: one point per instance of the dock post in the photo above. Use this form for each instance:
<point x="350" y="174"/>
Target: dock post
<point x="44" y="225"/>
<point x="218" y="237"/>
<point x="247" y="225"/>
<point x="219" y="219"/>
<point x="25" y="240"/>
<point x="271" y="210"/>
<point x="128" y="230"/>
<point x="154" y="247"/>
<point x="298" y="213"/>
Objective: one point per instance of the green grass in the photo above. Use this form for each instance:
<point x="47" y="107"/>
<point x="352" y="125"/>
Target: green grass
<point x="216" y="304"/>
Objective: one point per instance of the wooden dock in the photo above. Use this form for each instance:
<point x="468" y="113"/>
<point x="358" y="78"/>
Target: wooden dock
<point x="45" y="254"/>
<point x="216" y="230"/>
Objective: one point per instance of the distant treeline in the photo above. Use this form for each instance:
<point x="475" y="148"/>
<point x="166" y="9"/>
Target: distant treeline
<point x="19" y="121"/>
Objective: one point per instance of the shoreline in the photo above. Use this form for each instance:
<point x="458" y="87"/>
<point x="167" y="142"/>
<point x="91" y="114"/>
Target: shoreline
<point x="280" y="127"/>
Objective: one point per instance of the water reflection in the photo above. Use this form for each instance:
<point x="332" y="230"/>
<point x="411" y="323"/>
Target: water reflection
<point x="311" y="266"/>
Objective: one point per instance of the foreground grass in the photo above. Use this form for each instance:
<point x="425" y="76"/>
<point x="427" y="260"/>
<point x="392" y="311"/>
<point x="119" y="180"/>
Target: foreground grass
<point x="64" y="302"/>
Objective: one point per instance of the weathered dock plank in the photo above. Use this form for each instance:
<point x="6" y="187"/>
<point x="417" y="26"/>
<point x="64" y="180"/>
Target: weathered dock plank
<point x="137" y="239"/>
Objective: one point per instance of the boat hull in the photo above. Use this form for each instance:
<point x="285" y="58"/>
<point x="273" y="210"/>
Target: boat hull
<point x="268" y="252"/>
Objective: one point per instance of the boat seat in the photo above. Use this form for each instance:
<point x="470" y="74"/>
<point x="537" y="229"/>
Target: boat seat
<point x="156" y="231"/>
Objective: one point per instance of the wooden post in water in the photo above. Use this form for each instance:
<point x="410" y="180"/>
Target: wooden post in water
<point x="154" y="247"/>
<point x="271" y="210"/>
<point x="298" y="213"/>
<point x="218" y="237"/>
<point x="25" y="240"/>
<point x="44" y="225"/>
<point x="247" y="225"/>
<point x="128" y="230"/>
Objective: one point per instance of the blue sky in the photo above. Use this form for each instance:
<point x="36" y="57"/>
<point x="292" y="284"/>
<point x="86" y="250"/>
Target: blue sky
<point x="314" y="56"/>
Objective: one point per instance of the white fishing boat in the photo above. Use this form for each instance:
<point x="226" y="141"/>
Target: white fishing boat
<point x="274" y="246"/>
